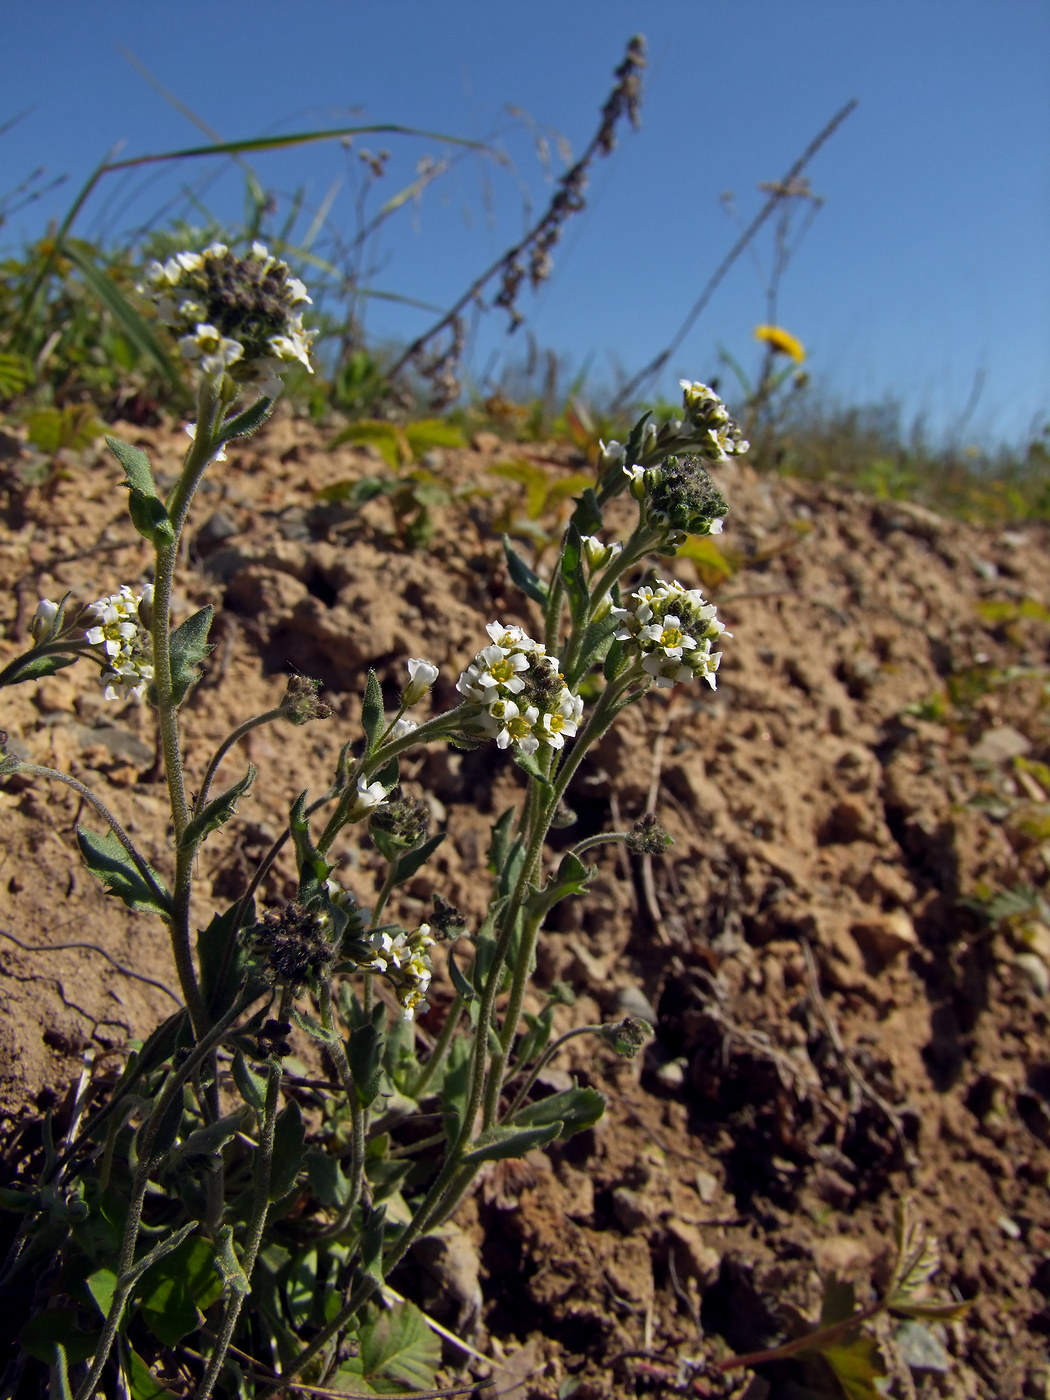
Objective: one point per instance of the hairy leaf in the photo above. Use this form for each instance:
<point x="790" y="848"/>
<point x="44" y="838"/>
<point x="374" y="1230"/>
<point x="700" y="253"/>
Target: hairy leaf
<point x="410" y="861"/>
<point x="364" y="1051"/>
<point x="172" y="1291"/>
<point x="496" y="1144"/>
<point x="572" y="1109"/>
<point x="189" y="647"/>
<point x="288" y="1139"/>
<point x="108" y="861"/>
<point x="217" y="812"/>
<point x="526" y="579"/>
<point x="373" y="718"/>
<point x="399" y="1346"/>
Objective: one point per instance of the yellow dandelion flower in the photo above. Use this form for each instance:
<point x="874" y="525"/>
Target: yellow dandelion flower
<point x="782" y="341"/>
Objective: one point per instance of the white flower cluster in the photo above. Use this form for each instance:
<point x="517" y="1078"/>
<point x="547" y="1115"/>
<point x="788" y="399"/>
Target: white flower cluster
<point x="405" y="959"/>
<point x="672" y="628"/>
<point x="716" y="436"/>
<point x="233" y="315"/>
<point x="523" y="694"/>
<point x="127" y="647"/>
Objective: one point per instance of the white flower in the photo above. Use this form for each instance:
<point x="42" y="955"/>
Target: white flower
<point x="294" y="346"/>
<point x="499" y="667"/>
<point x="368" y="797"/>
<point x="371" y="794"/>
<point x="214" y="351"/>
<point x="518" y="729"/>
<point x="666" y="670"/>
<point x="715" y="527"/>
<point x="421" y="676"/>
<point x="512" y="638"/>
<point x="402" y="728"/>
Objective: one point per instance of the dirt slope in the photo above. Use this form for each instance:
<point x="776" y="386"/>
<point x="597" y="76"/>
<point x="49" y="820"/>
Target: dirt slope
<point x="834" y="1029"/>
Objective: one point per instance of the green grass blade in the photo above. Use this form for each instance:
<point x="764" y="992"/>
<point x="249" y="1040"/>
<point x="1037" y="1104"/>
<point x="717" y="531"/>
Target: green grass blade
<point x="135" y="327"/>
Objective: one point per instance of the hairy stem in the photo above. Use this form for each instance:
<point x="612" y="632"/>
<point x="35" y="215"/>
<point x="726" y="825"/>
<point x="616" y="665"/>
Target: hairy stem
<point x="224" y="748"/>
<point x="261" y="1177"/>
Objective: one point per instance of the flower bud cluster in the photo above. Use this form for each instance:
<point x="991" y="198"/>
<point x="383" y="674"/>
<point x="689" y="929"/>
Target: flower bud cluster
<point x="120" y="628"/>
<point x="671" y="628"/>
<point x="400" y="823"/>
<point x="404" y="959"/>
<point x="300" y="704"/>
<point x="233" y="315"/>
<point x="708" y="425"/>
<point x="522" y="694"/>
<point x="295" y="944"/>
<point x="679" y="496"/>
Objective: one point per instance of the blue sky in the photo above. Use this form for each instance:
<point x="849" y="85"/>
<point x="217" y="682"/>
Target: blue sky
<point x="924" y="272"/>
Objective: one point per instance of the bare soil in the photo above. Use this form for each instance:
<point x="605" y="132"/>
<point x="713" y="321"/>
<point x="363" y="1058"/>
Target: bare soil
<point x="835" y="1031"/>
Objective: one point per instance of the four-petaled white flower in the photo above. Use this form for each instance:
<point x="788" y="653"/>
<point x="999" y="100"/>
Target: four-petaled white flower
<point x="402" y="728"/>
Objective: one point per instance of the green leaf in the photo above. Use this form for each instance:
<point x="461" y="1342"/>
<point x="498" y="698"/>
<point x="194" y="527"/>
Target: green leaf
<point x="433" y="432"/>
<point x="454" y="1088"/>
<point x="57" y="1327"/>
<point x="246" y="423"/>
<point x="174" y="1289"/>
<point x="534" y="478"/>
<point x="167" y="1130"/>
<point x="147" y="510"/>
<point x="314" y="870"/>
<point x="252" y="1086"/>
<point x="227" y="1264"/>
<point x="537" y="1037"/>
<point x="373" y="717"/>
<point x="357" y="492"/>
<point x="31" y="667"/>
<point x="572" y="1109"/>
<point x="574" y="574"/>
<point x="212" y="1137"/>
<point x="526" y="579"/>
<point x="462" y="986"/>
<point x="74" y="426"/>
<point x="496" y="1144"/>
<point x="529" y="764"/>
<point x="614" y="661"/>
<point x="587" y="517"/>
<point x="217" y="812"/>
<point x="499" y="843"/>
<point x="410" y="861"/>
<point x="141" y="1380"/>
<point x="326" y="1177"/>
<point x="858" y="1366"/>
<point x="572" y="877"/>
<point x="364" y="1051"/>
<point x="102" y="1285"/>
<point x="594" y="645"/>
<point x="288" y="1139"/>
<point x="189" y="647"/>
<point x="389" y="439"/>
<point x="372" y="1234"/>
<point x="633" y="446"/>
<point x="107" y="860"/>
<point x="399" y="1346"/>
<point x="212" y="943"/>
